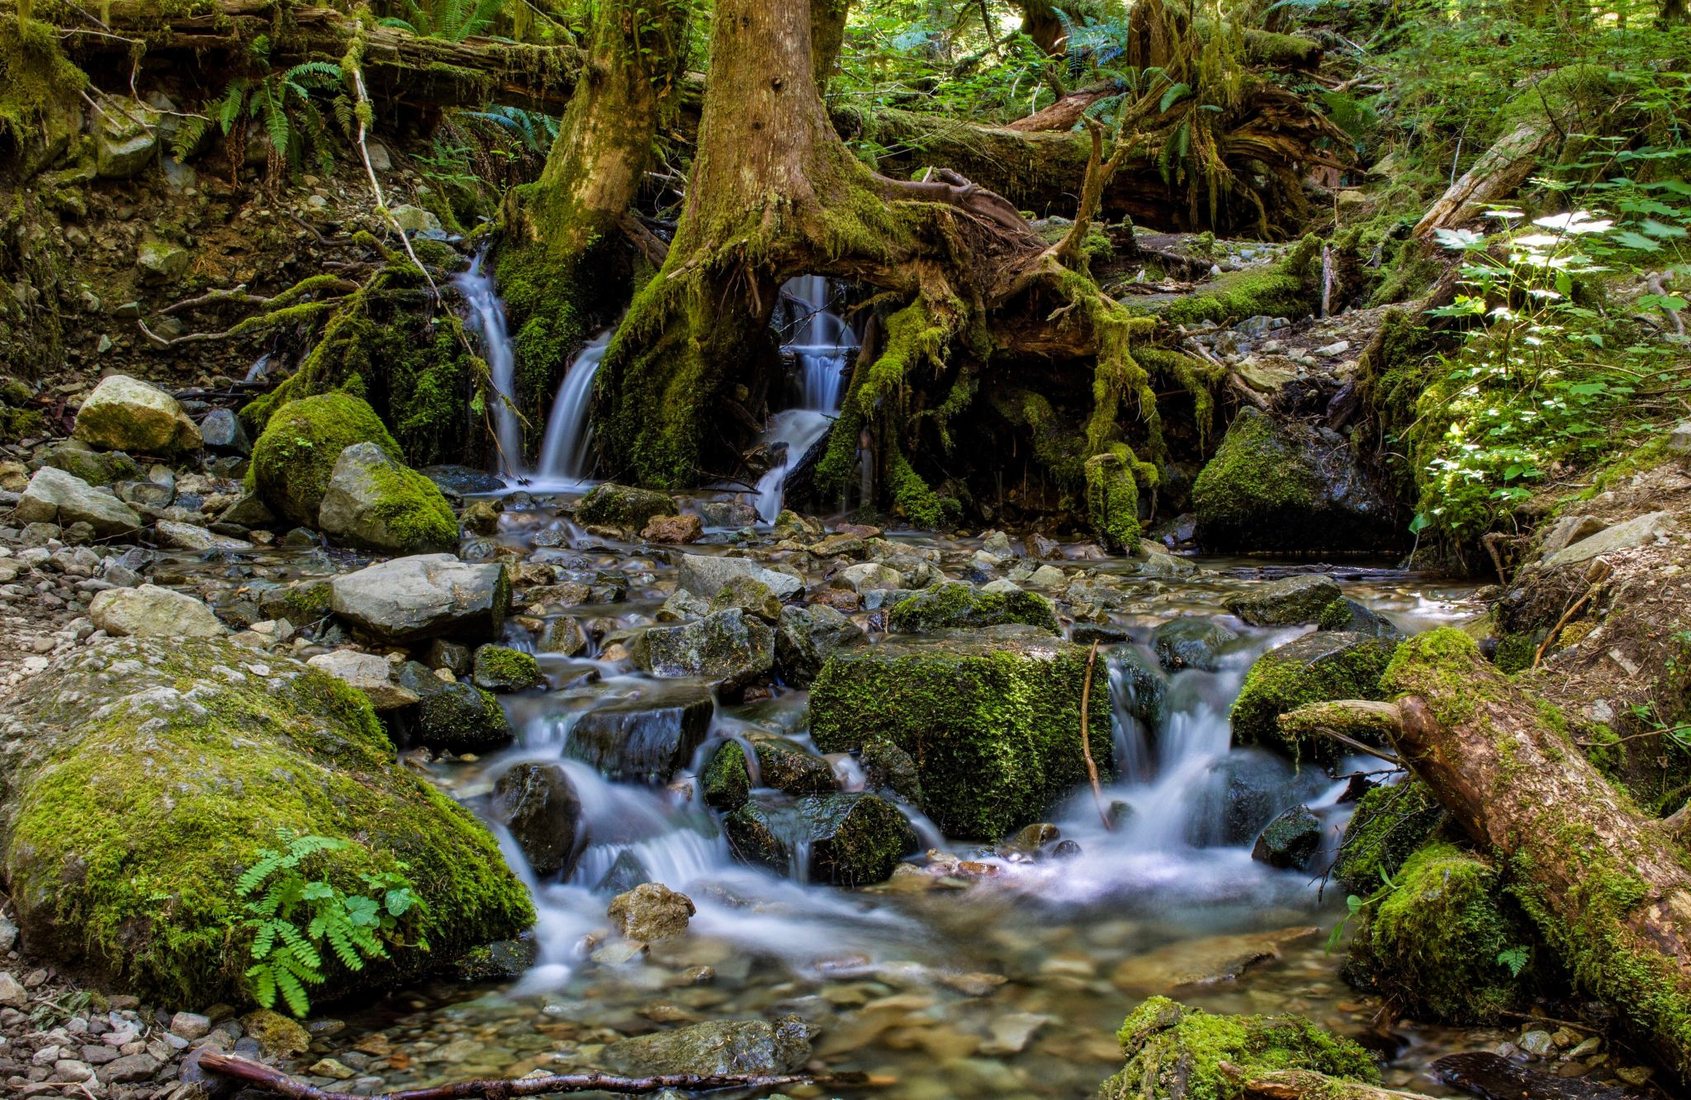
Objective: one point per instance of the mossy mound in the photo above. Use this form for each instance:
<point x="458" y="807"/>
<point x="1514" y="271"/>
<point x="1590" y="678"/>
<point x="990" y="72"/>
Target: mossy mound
<point x="1386" y="828"/>
<point x="501" y="668"/>
<point x="1112" y="500"/>
<point x="375" y="502"/>
<point x="1286" y="289"/>
<point x="294" y="459"/>
<point x="992" y="721"/>
<point x="140" y="781"/>
<point x="959" y="605"/>
<point x="622" y="506"/>
<point x="1444" y="942"/>
<point x="1177" y="1053"/>
<point x="1315" y="668"/>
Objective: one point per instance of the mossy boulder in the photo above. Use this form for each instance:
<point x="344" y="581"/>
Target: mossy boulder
<point x="623" y="506"/>
<point x="1315" y="668"/>
<point x="1388" y="825"/>
<point x="501" y="668"/>
<point x="843" y="839"/>
<point x="726" y="782"/>
<point x="959" y="605"/>
<point x="1444" y="943"/>
<point x="1289" y="601"/>
<point x="1178" y="1053"/>
<point x="294" y="459"/>
<point x="124" y="414"/>
<point x="732" y="647"/>
<point x="991" y="720"/>
<point x="375" y="502"/>
<point x="138" y="781"/>
<point x="1289" y="486"/>
<point x="1291" y="840"/>
<point x="462" y="718"/>
<point x="95" y="467"/>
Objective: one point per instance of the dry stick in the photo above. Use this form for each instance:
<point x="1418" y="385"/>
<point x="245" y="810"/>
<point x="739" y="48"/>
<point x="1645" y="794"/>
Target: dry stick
<point x="1567" y="617"/>
<point x="274" y="1080"/>
<point x="1086" y="738"/>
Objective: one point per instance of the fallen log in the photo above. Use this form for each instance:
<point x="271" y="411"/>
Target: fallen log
<point x="270" y="1079"/>
<point x="1500" y="169"/>
<point x="1303" y="1084"/>
<point x="1608" y="888"/>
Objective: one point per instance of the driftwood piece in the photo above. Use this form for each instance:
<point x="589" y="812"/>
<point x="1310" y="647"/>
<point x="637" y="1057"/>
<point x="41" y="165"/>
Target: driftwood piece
<point x="274" y="1080"/>
<point x="1607" y="887"/>
<point x="1303" y="1084"/>
<point x="1494" y="176"/>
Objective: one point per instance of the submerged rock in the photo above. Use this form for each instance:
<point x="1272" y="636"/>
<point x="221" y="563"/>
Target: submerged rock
<point x="729" y="646"/>
<point x="150" y="611"/>
<point x="137" y="770"/>
<point x="959" y="605"/>
<point x="1315" y="668"/>
<point x="845" y="839"/>
<point x="1205" y="960"/>
<point x="1290" y="841"/>
<point x="1191" y="642"/>
<point x="124" y="414"/>
<point x="992" y="721"/>
<point x="716" y="1049"/>
<point x="1289" y="486"/>
<point x="643" y="741"/>
<point x="374" y="502"/>
<point x="1288" y="601"/>
<point x="651" y="912"/>
<point x="537" y="802"/>
<point x="425" y="596"/>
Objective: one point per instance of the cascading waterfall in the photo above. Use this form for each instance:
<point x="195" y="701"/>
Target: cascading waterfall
<point x="569" y="431"/>
<point x="487" y="321"/>
<point x="819" y="348"/>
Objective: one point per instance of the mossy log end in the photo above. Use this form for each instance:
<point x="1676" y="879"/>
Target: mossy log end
<point x="1608" y="887"/>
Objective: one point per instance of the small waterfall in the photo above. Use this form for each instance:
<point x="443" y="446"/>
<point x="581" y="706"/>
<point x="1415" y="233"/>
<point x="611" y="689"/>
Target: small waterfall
<point x="487" y="320"/>
<point x="569" y="435"/>
<point x="820" y="344"/>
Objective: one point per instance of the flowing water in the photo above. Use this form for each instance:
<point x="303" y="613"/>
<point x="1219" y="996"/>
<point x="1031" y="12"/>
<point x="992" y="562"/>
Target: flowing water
<point x="1000" y="975"/>
<point x="565" y="453"/>
<point x="819" y="344"/>
<point x="487" y="321"/>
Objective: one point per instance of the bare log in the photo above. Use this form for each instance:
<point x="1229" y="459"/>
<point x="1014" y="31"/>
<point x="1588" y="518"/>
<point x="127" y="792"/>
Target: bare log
<point x="274" y="1080"/>
<point x="1303" y="1084"/>
<point x="1608" y="891"/>
<point x="1497" y="173"/>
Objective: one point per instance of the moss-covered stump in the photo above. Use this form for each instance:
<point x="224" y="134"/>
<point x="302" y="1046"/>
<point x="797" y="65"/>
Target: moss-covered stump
<point x="140" y="781"/>
<point x="1387" y="826"/>
<point x="1179" y="1053"/>
<point x="1315" y="668"/>
<point x="991" y="720"/>
<point x="1444" y="943"/>
<point x="1112" y="500"/>
<point x="294" y="460"/>
<point x="959" y="605"/>
<point x="1288" y="486"/>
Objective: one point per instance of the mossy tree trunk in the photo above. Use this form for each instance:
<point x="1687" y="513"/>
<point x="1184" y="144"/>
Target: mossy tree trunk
<point x="1609" y="889"/>
<point x="774" y="193"/>
<point x="566" y="258"/>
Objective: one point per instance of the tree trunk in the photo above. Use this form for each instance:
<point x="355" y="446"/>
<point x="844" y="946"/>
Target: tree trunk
<point x="1041" y="23"/>
<point x="565" y="264"/>
<point x="1495" y="175"/>
<point x="1607" y="887"/>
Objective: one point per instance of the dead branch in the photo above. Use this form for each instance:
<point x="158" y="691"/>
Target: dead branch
<point x="1303" y="1084"/>
<point x="274" y="1080"/>
<point x="1345" y="722"/>
<point x="1086" y="737"/>
<point x="1494" y="176"/>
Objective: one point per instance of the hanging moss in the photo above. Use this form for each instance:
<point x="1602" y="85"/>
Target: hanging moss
<point x="916" y="502"/>
<point x="1112" y="497"/>
<point x="37" y="81"/>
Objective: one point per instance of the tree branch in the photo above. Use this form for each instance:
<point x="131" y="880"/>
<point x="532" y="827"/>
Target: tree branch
<point x="1346" y="722"/>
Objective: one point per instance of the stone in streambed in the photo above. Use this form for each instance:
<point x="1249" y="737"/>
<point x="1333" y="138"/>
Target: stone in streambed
<point x="153" y="612"/>
<point x="787" y="767"/>
<point x="992" y="720"/>
<point x="501" y="668"/>
<point x="731" y="647"/>
<point x="1290" y="841"/>
<point x="462" y="718"/>
<point x="726" y="782"/>
<point x="124" y="414"/>
<point x="73" y="456"/>
<point x="375" y="502"/>
<point x="959" y="605"/>
<point x="1191" y="642"/>
<point x="717" y="1049"/>
<point x="705" y="575"/>
<point x="651" y="912"/>
<point x="1288" y="601"/>
<point x="806" y="636"/>
<point x="852" y="839"/>
<point x="677" y="530"/>
<point x="1205" y="960"/>
<point x="748" y="594"/>
<point x="368" y="672"/>
<point x="612" y="505"/>
<point x="645" y="740"/>
<point x="1348" y="615"/>
<point x="537" y="802"/>
<point x="1315" y="668"/>
<point x="425" y="596"/>
<point x="54" y="496"/>
<point x="295" y="457"/>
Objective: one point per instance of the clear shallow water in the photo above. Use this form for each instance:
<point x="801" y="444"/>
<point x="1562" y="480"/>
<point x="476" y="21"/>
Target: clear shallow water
<point x="1006" y="979"/>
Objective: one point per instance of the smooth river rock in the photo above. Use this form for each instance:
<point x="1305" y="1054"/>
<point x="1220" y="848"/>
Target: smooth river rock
<point x="125" y="414"/>
<point x="153" y="612"/>
<point x="54" y="496"/>
<point x="424" y="596"/>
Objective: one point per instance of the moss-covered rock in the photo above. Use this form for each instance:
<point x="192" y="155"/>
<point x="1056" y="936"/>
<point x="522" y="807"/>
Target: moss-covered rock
<point x="992" y="721"/>
<point x="960" y="605"/>
<point x="1387" y="826"/>
<point x="1191" y="641"/>
<point x="1285" y="289"/>
<point x="1287" y="486"/>
<point x="1112" y="500"/>
<point x="844" y="839"/>
<point x="375" y="502"/>
<point x="1289" y="601"/>
<point x="1444" y="942"/>
<point x="501" y="668"/>
<point x="294" y="459"/>
<point x="140" y="781"/>
<point x="95" y="467"/>
<point x="462" y="718"/>
<point x="1315" y="668"/>
<point x="611" y="505"/>
<point x="1291" y="840"/>
<point x="1177" y="1053"/>
<point x="726" y="782"/>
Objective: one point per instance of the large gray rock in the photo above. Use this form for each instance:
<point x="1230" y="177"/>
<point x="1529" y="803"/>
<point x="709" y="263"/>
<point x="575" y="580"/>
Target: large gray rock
<point x="1191" y="641"/>
<point x="538" y="804"/>
<point x="125" y="137"/>
<point x="720" y="1048"/>
<point x="221" y="431"/>
<point x="154" y="612"/>
<point x="378" y="503"/>
<point x="704" y="576"/>
<point x="1638" y="531"/>
<point x="1287" y="601"/>
<point x="806" y="636"/>
<point x="54" y="496"/>
<point x="124" y="414"/>
<point x="370" y="673"/>
<point x="730" y="646"/>
<point x="424" y="596"/>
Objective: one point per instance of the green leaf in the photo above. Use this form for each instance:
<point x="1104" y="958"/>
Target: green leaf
<point x="1173" y="94"/>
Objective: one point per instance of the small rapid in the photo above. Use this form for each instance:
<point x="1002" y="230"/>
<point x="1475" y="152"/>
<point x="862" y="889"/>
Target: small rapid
<point x="565" y="454"/>
<point x="819" y="343"/>
<point x="487" y="321"/>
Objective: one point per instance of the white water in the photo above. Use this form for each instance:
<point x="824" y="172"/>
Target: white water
<point x="569" y="431"/>
<point x="487" y="321"/>
<point x="820" y="344"/>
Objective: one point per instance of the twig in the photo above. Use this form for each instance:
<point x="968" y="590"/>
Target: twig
<point x="1086" y="737"/>
<point x="1567" y="617"/>
<point x="274" y="1080"/>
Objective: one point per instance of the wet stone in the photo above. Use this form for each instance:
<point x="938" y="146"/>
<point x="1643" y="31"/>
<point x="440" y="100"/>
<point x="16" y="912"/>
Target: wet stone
<point x="643" y="741"/>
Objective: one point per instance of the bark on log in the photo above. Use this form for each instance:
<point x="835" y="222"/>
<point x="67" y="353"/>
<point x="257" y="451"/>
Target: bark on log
<point x="1497" y="173"/>
<point x="1607" y="887"/>
<point x="434" y="71"/>
<point x="1303" y="1084"/>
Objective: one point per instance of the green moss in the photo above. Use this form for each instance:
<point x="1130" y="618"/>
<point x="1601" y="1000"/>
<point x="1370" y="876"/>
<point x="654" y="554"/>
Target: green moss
<point x="961" y="605"/>
<point x="1112" y="499"/>
<point x="611" y="505"/>
<point x="129" y="818"/>
<point x="1178" y="1053"/>
<point x="726" y="782"/>
<point x="1388" y="825"/>
<point x="1515" y="652"/>
<point x="993" y="726"/>
<point x="411" y="511"/>
<point x="1431" y="943"/>
<point x="36" y="79"/>
<point x="295" y="457"/>
<point x="1315" y="668"/>
<point x="915" y="501"/>
<point x="1287" y="289"/>
<point x="1257" y="492"/>
<point x="501" y="668"/>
